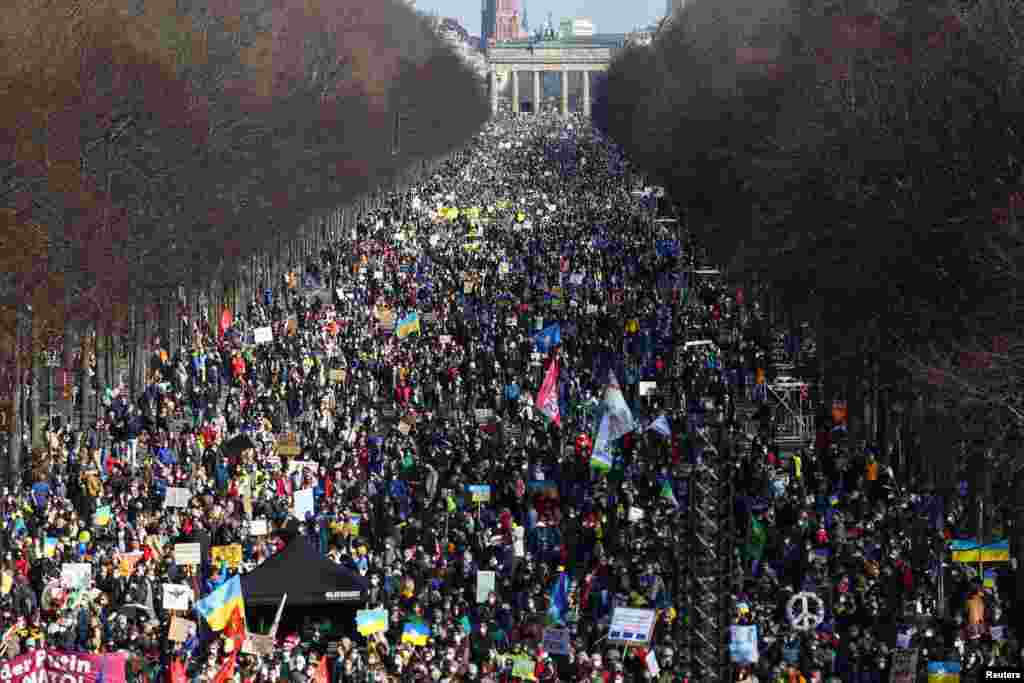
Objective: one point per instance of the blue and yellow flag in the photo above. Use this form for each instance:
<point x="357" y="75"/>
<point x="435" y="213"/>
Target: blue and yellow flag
<point x="371" y="621"/>
<point x="218" y="606"/>
<point x="415" y="632"/>
<point x="943" y="672"/>
<point x="972" y="551"/>
<point x="408" y="325"/>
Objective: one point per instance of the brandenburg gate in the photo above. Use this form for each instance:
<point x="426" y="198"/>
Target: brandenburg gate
<point x="507" y="60"/>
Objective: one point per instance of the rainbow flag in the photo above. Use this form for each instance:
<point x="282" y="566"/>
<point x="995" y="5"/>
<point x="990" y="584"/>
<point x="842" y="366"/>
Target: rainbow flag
<point x="218" y="606"/>
<point x="371" y="621"/>
<point x="972" y="551"/>
<point x="102" y="516"/>
<point x="408" y="325"/>
<point x="415" y="632"/>
<point x="943" y="672"/>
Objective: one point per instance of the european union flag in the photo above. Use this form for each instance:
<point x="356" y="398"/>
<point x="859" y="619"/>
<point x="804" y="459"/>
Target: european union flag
<point x="548" y="338"/>
<point x="559" y="599"/>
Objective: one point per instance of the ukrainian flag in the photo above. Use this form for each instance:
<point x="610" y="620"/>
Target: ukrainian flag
<point x="943" y="672"/>
<point x="408" y="325"/>
<point x="972" y="551"/>
<point x="371" y="621"/>
<point x="415" y="632"/>
<point x="218" y="606"/>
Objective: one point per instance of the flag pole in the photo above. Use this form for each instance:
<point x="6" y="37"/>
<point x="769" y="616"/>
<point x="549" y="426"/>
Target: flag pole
<point x="277" y="617"/>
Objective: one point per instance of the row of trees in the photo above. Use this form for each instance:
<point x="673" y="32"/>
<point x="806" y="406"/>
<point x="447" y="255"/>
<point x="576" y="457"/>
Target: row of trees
<point x="863" y="159"/>
<point x="148" y="144"/>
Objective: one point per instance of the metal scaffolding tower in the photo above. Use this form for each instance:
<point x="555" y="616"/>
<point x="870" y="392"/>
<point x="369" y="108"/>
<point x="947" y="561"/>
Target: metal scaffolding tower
<point x="710" y="559"/>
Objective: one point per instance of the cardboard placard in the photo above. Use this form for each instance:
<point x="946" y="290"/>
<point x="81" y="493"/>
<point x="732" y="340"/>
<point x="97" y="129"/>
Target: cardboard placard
<point x="177" y="596"/>
<point x="337" y="376"/>
<point x="188" y="554"/>
<point x="180" y="629"/>
<point x="232" y="554"/>
<point x="404" y="427"/>
<point x="289" y="445"/>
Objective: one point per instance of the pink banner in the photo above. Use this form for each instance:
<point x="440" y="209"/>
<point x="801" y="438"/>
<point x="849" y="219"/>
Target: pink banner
<point x="54" y="666"/>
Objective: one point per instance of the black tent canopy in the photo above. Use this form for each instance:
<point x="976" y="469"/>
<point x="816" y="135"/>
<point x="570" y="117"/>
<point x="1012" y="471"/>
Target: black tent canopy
<point x="307" y="577"/>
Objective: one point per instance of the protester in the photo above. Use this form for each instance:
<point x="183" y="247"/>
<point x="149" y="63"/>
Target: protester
<point x="491" y="327"/>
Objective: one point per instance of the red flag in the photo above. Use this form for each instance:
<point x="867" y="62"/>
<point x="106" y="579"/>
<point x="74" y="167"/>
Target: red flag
<point x="225" y="321"/>
<point x="178" y="674"/>
<point x="227" y="670"/>
<point x="235" y="628"/>
<point x="547" y="397"/>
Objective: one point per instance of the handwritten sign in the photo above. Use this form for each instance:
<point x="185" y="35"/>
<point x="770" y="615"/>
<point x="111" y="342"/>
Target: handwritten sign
<point x="258" y="527"/>
<point x="180" y="629"/>
<point x="177" y="596"/>
<point x="232" y="554"/>
<point x="337" y="376"/>
<point x="256" y="644"/>
<point x="188" y="554"/>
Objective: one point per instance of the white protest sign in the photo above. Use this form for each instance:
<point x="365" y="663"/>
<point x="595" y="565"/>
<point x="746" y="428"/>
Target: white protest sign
<point x="519" y="541"/>
<point x="177" y="497"/>
<point x="556" y="641"/>
<point x="635" y="514"/>
<point x="258" y="527"/>
<point x="177" y="596"/>
<point x="484" y="585"/>
<point x="75" y="575"/>
<point x="304" y="503"/>
<point x="631" y="626"/>
<point x="188" y="554"/>
<point x="263" y="335"/>
<point x="648" y="388"/>
<point x="806" y="611"/>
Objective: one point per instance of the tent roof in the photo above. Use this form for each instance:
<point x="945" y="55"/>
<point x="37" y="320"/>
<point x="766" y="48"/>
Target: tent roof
<point x="305" y="575"/>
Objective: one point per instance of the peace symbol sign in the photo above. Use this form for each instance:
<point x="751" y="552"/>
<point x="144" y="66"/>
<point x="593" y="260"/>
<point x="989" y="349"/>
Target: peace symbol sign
<point x="805" y="611"/>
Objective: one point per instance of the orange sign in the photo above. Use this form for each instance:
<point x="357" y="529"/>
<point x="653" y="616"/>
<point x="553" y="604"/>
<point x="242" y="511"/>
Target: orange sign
<point x="840" y="413"/>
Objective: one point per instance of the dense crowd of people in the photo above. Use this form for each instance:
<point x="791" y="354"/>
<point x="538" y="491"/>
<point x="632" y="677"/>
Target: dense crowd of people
<point x="519" y="321"/>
